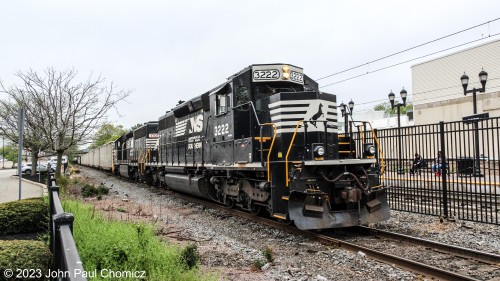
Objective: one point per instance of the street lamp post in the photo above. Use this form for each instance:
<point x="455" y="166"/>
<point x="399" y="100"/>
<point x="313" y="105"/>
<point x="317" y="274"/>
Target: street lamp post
<point x="392" y="96"/>
<point x="483" y="76"/>
<point x="345" y="114"/>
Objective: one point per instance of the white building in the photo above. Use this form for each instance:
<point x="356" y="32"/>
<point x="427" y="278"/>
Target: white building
<point x="437" y="91"/>
<point x="378" y="119"/>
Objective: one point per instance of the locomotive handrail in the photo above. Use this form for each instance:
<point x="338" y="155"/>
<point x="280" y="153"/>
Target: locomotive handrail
<point x="270" y="148"/>
<point x="305" y="140"/>
<point x="290" y="149"/>
<point x="253" y="110"/>
<point x="381" y="153"/>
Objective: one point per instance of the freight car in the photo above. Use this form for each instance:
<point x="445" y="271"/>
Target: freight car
<point x="265" y="141"/>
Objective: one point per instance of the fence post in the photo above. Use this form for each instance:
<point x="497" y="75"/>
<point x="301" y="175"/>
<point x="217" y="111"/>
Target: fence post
<point x="60" y="219"/>
<point x="53" y="228"/>
<point x="377" y="156"/>
<point x="444" y="169"/>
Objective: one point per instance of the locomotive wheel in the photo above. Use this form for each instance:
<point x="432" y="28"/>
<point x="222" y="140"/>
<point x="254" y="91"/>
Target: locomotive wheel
<point x="156" y="181"/>
<point x="255" y="209"/>
<point x="229" y="203"/>
<point x="287" y="222"/>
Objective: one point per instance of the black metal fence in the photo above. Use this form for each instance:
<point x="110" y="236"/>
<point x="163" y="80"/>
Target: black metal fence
<point x="466" y="188"/>
<point x="66" y="264"/>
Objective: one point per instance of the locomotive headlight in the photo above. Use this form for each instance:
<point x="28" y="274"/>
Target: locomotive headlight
<point x="319" y="151"/>
<point x="286" y="72"/>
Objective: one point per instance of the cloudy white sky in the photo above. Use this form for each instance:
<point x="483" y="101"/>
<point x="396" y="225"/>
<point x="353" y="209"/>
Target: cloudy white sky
<point x="170" y="50"/>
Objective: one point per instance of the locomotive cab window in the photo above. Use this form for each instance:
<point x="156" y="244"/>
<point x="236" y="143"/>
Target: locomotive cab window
<point x="221" y="104"/>
<point x="242" y="95"/>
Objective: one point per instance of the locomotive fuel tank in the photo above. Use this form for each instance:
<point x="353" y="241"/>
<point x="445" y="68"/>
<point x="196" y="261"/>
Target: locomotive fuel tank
<point x="195" y="185"/>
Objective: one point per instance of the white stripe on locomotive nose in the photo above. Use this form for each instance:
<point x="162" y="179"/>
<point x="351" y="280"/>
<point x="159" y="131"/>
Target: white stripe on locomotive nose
<point x="284" y="117"/>
<point x="292" y="130"/>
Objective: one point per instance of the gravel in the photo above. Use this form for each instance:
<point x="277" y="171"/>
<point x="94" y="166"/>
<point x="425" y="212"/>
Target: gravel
<point x="232" y="246"/>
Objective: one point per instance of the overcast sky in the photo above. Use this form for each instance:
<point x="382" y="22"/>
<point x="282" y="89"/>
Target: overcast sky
<point x="170" y="50"/>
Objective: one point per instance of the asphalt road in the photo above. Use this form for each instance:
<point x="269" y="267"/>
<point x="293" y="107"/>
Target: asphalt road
<point x="9" y="187"/>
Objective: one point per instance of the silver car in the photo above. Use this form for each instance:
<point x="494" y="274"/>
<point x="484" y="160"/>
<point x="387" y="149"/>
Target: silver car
<point x="41" y="168"/>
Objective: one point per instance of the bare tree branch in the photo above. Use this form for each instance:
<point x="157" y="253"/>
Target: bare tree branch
<point x="63" y="110"/>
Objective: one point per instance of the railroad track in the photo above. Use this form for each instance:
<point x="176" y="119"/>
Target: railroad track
<point x="418" y="267"/>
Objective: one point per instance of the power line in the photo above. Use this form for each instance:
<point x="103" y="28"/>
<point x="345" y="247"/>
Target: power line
<point x="390" y="66"/>
<point x="430" y="99"/>
<point x="400" y="52"/>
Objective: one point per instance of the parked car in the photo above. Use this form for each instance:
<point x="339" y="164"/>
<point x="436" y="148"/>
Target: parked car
<point x="53" y="160"/>
<point x="41" y="168"/>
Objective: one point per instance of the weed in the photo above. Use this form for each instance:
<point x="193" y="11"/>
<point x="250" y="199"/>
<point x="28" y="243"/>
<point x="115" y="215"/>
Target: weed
<point x="268" y="254"/>
<point x="190" y="256"/>
<point x="89" y="190"/>
<point x="257" y="265"/>
<point x="62" y="182"/>
<point x="73" y="170"/>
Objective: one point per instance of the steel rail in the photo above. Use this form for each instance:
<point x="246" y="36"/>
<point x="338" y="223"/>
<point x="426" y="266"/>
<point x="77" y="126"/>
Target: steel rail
<point x="485" y="257"/>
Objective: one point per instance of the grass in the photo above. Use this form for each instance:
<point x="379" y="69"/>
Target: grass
<point x="125" y="246"/>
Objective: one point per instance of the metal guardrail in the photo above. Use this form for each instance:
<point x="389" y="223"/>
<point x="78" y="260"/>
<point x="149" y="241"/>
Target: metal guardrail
<point x="66" y="260"/>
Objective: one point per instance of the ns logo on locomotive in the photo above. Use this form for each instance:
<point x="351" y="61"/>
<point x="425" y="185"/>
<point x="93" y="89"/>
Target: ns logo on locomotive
<point x="265" y="141"/>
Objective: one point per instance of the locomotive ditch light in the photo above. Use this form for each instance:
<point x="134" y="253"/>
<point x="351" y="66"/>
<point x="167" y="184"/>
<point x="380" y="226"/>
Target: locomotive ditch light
<point x="370" y="149"/>
<point x="318" y="151"/>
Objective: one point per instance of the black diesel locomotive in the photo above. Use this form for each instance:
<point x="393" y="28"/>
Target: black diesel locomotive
<point x="265" y="140"/>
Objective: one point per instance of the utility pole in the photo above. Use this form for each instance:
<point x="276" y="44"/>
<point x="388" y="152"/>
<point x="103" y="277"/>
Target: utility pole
<point x="20" y="129"/>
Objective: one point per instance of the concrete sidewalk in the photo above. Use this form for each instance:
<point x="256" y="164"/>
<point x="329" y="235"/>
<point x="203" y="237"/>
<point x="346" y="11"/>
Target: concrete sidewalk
<point x="9" y="187"/>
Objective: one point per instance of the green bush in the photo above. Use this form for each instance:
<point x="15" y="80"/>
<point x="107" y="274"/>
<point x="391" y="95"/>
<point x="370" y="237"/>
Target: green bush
<point x="24" y="254"/>
<point x="125" y="246"/>
<point x="27" y="215"/>
<point x="62" y="182"/>
<point x="190" y="256"/>
<point x="89" y="190"/>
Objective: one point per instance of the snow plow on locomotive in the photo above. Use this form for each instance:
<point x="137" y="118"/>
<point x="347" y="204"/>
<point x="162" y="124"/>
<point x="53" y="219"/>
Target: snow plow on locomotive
<point x="265" y="141"/>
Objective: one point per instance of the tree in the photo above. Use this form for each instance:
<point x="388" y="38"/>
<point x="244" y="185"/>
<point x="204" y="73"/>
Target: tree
<point x="386" y="107"/>
<point x="33" y="139"/>
<point x="11" y="153"/>
<point x="108" y="132"/>
<point x="136" y="126"/>
<point x="65" y="110"/>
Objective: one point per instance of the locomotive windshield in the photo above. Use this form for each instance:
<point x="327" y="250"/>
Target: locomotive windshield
<point x="263" y="90"/>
